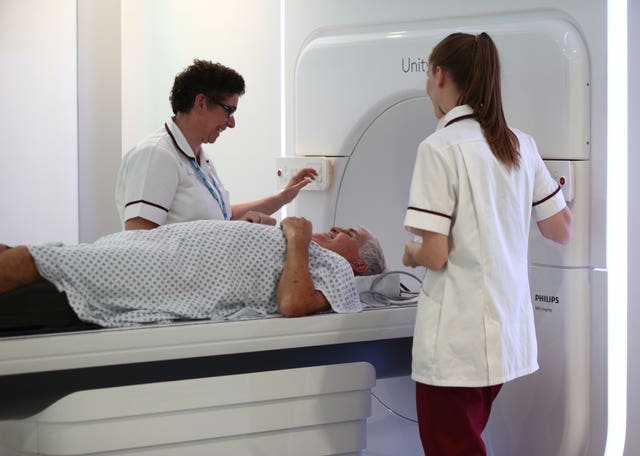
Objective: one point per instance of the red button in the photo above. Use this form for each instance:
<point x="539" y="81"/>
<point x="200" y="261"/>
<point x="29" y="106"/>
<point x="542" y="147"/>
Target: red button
<point x="562" y="181"/>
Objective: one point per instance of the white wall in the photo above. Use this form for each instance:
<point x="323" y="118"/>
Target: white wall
<point x="99" y="116"/>
<point x="161" y="37"/>
<point x="633" y="380"/>
<point x="38" y="145"/>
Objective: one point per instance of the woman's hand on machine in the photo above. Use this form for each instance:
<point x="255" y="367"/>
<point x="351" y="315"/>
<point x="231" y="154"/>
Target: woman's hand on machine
<point x="302" y="178"/>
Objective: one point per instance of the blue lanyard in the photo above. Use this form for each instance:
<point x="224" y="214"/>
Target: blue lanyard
<point x="216" y="193"/>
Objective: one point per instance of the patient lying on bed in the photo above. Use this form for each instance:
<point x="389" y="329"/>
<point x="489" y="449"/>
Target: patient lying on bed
<point x="202" y="270"/>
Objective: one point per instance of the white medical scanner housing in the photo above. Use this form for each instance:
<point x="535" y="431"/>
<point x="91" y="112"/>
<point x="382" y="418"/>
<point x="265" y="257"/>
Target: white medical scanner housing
<point x="360" y="101"/>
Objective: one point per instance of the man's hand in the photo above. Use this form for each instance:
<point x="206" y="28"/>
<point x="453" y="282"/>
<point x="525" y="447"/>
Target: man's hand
<point x="297" y="229"/>
<point x="258" y="217"/>
<point x="296" y="293"/>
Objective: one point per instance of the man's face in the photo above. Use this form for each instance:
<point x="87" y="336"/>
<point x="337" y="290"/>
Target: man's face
<point x="343" y="241"/>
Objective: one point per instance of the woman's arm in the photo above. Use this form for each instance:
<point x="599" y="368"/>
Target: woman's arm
<point x="296" y="293"/>
<point x="139" y="223"/>
<point x="432" y="253"/>
<point x="272" y="203"/>
<point x="258" y="217"/>
<point x="558" y="227"/>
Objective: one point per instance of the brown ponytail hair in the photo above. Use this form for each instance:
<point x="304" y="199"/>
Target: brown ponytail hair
<point x="473" y="64"/>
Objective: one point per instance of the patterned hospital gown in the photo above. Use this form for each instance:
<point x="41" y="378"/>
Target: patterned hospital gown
<point x="197" y="270"/>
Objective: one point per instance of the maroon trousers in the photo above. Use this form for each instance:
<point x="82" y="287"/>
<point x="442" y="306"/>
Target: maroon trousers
<point x="451" y="419"/>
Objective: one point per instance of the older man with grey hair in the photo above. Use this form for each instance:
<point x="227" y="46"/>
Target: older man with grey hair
<point x="202" y="270"/>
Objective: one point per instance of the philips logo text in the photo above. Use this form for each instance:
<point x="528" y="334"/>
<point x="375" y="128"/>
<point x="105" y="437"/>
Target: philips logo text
<point x="547" y="299"/>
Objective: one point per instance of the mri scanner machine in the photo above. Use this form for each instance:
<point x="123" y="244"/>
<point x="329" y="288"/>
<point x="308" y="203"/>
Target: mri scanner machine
<point x="339" y="384"/>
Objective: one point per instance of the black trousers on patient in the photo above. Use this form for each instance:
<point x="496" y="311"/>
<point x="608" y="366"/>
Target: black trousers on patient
<point x="37" y="308"/>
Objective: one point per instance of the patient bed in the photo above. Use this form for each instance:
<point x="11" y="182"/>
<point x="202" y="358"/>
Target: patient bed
<point x="48" y="353"/>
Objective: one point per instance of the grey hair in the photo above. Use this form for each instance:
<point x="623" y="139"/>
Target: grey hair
<point x="372" y="255"/>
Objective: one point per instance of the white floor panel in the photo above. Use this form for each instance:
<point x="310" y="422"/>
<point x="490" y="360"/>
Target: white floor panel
<point x="318" y="410"/>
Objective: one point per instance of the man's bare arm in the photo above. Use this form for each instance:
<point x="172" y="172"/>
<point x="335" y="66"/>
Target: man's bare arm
<point x="296" y="294"/>
<point x="17" y="268"/>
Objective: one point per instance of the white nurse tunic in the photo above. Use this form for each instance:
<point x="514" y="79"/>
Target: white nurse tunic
<point x="158" y="181"/>
<point x="474" y="323"/>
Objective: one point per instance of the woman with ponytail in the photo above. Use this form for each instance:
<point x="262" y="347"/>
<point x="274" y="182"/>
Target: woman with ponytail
<point x="476" y="185"/>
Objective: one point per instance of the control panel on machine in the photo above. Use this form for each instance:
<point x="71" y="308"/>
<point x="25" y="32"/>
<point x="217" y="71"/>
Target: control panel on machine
<point x="563" y="172"/>
<point x="287" y="167"/>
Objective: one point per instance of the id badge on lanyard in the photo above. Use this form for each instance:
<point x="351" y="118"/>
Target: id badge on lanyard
<point x="214" y="190"/>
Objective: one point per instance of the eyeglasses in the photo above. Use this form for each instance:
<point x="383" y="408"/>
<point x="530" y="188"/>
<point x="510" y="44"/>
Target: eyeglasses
<point x="230" y="109"/>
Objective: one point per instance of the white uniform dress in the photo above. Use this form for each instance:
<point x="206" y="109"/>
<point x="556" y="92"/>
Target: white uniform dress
<point x="157" y="181"/>
<point x="199" y="270"/>
<point x="474" y="323"/>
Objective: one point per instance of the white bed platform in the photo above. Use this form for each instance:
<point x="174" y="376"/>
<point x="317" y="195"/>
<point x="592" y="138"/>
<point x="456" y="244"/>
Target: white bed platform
<point x="256" y="386"/>
<point x="38" y="370"/>
<point x="104" y="347"/>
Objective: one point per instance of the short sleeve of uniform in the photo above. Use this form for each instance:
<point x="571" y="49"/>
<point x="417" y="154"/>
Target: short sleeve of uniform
<point x="548" y="198"/>
<point x="431" y="198"/>
<point x="149" y="184"/>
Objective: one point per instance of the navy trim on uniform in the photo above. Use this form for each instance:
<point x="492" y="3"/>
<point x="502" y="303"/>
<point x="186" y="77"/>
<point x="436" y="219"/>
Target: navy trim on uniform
<point x="196" y="166"/>
<point x="146" y="202"/>
<point x="175" y="143"/>
<point x="430" y="212"/>
<point x="458" y="119"/>
<point x="548" y="197"/>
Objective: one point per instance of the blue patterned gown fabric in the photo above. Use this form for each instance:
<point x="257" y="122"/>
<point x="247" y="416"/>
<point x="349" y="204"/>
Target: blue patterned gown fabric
<point x="198" y="270"/>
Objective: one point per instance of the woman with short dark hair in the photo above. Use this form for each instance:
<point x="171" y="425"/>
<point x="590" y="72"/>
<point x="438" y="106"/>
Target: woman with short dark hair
<point x="167" y="178"/>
